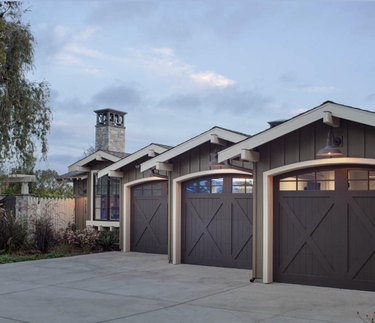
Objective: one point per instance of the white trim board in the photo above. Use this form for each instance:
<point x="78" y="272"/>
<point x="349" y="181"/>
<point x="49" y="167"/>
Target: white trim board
<point x="131" y="158"/>
<point x="192" y="143"/>
<point x="98" y="155"/>
<point x="176" y="206"/>
<point x="337" y="111"/>
<point x="126" y="214"/>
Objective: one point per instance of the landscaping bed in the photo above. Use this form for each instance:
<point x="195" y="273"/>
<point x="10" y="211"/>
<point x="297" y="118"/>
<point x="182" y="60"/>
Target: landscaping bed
<point x="37" y="238"/>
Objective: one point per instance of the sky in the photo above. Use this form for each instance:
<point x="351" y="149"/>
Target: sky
<point x="179" y="67"/>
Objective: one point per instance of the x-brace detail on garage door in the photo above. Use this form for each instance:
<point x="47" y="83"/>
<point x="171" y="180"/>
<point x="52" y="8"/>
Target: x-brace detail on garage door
<point x="147" y="223"/>
<point x="204" y="228"/>
<point x="306" y="238"/>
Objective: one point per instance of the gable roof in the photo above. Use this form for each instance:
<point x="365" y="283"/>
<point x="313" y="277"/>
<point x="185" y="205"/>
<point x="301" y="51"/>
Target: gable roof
<point x="156" y="148"/>
<point x="98" y="155"/>
<point x="221" y="133"/>
<point x="337" y="110"/>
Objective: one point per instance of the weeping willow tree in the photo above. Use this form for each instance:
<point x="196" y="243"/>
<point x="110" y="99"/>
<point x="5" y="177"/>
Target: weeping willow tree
<point x="25" y="115"/>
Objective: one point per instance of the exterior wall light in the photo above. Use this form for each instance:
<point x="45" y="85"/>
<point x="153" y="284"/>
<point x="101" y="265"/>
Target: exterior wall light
<point x="331" y="149"/>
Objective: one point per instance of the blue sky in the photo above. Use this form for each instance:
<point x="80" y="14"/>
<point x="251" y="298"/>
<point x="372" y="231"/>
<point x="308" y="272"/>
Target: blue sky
<point x="181" y="67"/>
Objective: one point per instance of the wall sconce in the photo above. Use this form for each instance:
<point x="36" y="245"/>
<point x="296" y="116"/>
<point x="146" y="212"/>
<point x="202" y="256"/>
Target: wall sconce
<point x="331" y="149"/>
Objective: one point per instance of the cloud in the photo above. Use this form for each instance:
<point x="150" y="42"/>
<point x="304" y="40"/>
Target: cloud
<point x="216" y="101"/>
<point x="370" y="97"/>
<point x="119" y="96"/>
<point x="166" y="63"/>
<point x="185" y="101"/>
<point x="212" y="79"/>
<point x="118" y="11"/>
<point x="295" y="83"/>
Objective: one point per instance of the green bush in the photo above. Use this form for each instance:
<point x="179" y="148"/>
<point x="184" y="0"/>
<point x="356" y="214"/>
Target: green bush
<point x="108" y="240"/>
<point x="13" y="232"/>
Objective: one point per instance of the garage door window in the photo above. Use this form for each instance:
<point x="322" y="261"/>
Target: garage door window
<point x="242" y="185"/>
<point x="311" y="181"/>
<point x="213" y="185"/>
<point x="153" y="189"/>
<point x="361" y="180"/>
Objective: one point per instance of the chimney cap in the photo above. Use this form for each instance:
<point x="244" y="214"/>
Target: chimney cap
<point x="110" y="110"/>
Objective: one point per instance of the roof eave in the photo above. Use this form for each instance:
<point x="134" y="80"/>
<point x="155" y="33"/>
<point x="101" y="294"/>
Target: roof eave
<point x="310" y="116"/>
<point x="222" y="133"/>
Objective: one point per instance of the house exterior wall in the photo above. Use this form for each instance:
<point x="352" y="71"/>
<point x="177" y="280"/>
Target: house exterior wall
<point x="197" y="160"/>
<point x="299" y="146"/>
<point x="80" y="190"/>
<point x="131" y="172"/>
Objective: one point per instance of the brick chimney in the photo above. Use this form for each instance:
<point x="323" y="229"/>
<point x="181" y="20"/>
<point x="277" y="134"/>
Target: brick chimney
<point x="110" y="130"/>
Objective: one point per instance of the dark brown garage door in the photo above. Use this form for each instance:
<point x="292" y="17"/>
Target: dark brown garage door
<point x="217" y="222"/>
<point x="324" y="228"/>
<point x="149" y="218"/>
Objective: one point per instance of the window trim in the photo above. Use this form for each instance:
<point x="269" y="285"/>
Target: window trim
<point x="108" y="196"/>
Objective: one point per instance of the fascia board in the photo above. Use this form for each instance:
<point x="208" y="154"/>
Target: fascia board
<point x="352" y="114"/>
<point x="98" y="155"/>
<point x="174" y="152"/>
<point x="132" y="158"/>
<point x="190" y="144"/>
<point x="293" y="124"/>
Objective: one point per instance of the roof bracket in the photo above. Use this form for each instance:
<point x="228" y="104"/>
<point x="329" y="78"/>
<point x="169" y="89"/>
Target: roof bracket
<point x="249" y="155"/>
<point x="164" y="166"/>
<point x="330" y="120"/>
<point x="115" y="173"/>
<point x="217" y="141"/>
<point x="151" y="153"/>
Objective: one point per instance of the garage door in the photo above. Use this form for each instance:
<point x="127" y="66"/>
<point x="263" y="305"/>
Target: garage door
<point x="324" y="228"/>
<point x="216" y="228"/>
<point x="149" y="218"/>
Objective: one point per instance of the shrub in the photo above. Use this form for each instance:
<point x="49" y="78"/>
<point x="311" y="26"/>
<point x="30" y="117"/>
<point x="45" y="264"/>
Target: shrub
<point x="85" y="239"/>
<point x="108" y="240"/>
<point x="44" y="234"/>
<point x="13" y="232"/>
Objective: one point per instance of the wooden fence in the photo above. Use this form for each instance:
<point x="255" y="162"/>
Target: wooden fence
<point x="61" y="211"/>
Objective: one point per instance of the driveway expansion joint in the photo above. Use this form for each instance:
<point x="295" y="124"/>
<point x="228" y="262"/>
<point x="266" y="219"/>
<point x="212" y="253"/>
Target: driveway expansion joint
<point x="172" y="305"/>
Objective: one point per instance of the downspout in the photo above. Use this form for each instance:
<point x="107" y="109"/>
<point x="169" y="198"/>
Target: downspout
<point x="170" y="200"/>
<point x="255" y="209"/>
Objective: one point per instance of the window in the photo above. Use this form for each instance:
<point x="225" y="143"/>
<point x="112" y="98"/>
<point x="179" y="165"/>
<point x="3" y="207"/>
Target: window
<point x="107" y="198"/>
<point x="152" y="189"/>
<point x="311" y="181"/>
<point x="361" y="180"/>
<point x="213" y="186"/>
<point x="242" y="185"/>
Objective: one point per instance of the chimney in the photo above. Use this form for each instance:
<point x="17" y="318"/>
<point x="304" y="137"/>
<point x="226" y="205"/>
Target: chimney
<point x="110" y="130"/>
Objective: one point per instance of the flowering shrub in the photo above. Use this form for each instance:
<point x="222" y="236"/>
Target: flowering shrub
<point x="85" y="239"/>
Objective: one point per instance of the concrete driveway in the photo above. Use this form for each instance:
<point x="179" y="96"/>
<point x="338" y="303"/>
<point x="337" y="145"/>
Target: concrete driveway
<point x="133" y="287"/>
